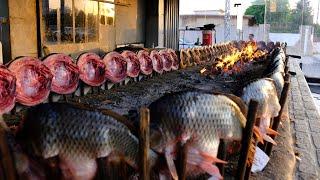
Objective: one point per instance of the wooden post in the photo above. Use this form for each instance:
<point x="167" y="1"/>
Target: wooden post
<point x="81" y="88"/>
<point x="7" y="160"/>
<point x="102" y="168"/>
<point x="144" y="144"/>
<point x="222" y="155"/>
<point x="277" y="119"/>
<point x="246" y="139"/>
<point x="182" y="160"/>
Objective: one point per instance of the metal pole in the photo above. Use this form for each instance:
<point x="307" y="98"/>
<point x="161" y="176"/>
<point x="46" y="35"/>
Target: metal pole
<point x="317" y="22"/>
<point x="227" y="21"/>
<point x="265" y="21"/>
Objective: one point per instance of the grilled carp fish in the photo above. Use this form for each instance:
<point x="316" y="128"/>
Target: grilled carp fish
<point x="200" y="119"/>
<point x="265" y="93"/>
<point x="78" y="137"/>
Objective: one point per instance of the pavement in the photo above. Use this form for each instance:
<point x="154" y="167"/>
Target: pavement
<point x="305" y="118"/>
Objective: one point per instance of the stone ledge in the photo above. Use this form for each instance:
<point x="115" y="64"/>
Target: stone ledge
<point x="306" y="129"/>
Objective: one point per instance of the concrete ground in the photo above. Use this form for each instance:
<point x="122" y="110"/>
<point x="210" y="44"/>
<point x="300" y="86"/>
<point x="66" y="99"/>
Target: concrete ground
<point x="304" y="106"/>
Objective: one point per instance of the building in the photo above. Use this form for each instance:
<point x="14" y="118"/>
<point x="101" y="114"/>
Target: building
<point x="33" y="27"/>
<point x="199" y="18"/>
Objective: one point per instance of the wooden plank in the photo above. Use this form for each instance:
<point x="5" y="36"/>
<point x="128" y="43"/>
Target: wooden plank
<point x="247" y="139"/>
<point x="144" y="144"/>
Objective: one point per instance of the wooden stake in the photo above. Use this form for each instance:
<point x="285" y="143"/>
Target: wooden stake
<point x="144" y="144"/>
<point x="102" y="169"/>
<point x="246" y="139"/>
<point x="182" y="160"/>
<point x="277" y="119"/>
<point x="222" y="155"/>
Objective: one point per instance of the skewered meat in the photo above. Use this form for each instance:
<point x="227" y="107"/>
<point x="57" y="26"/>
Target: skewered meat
<point x="145" y="62"/>
<point x="7" y="90"/>
<point x="174" y="58"/>
<point x="133" y="64"/>
<point x="33" y="80"/>
<point x="116" y="67"/>
<point x="157" y="62"/>
<point x="65" y="73"/>
<point x="92" y="69"/>
<point x="185" y="58"/>
<point x="166" y="59"/>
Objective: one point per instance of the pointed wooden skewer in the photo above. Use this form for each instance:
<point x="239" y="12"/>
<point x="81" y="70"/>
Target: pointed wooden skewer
<point x="144" y="144"/>
<point x="246" y="140"/>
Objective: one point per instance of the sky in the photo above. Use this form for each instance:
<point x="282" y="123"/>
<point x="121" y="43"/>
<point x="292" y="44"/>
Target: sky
<point x="188" y="6"/>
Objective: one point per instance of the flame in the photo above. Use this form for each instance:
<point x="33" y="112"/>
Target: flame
<point x="238" y="59"/>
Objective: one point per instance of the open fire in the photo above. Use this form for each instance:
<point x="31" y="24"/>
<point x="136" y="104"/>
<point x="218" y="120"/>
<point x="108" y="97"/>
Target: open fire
<point x="238" y="60"/>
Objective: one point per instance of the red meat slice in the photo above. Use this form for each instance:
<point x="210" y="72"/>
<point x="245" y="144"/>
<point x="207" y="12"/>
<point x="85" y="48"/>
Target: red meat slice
<point x="92" y="69"/>
<point x="145" y="62"/>
<point x="7" y="90"/>
<point x="65" y="73"/>
<point x="133" y="65"/>
<point x="33" y="80"/>
<point x="116" y="67"/>
<point x="156" y="61"/>
<point x="166" y="59"/>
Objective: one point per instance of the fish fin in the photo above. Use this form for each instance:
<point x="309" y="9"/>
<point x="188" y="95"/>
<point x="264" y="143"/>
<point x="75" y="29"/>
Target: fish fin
<point x="258" y="134"/>
<point x="272" y="132"/>
<point x="211" y="158"/>
<point x="269" y="139"/>
<point x="78" y="169"/>
<point x="211" y="169"/>
<point x="171" y="165"/>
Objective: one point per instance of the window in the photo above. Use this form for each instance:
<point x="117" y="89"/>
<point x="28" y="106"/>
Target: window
<point x="74" y="21"/>
<point x="106" y="13"/>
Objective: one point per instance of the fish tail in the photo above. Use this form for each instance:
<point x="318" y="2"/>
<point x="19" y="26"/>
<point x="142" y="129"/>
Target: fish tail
<point x="204" y="161"/>
<point x="258" y="134"/>
<point x="171" y="165"/>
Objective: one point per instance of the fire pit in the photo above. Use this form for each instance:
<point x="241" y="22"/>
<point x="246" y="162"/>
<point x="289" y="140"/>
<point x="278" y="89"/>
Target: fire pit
<point x="219" y="68"/>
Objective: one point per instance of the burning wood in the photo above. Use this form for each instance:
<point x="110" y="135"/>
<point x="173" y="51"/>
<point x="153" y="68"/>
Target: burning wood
<point x="238" y="60"/>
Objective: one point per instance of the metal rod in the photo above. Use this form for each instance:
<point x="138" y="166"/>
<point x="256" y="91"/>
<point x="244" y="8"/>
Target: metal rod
<point x="277" y="119"/>
<point x="144" y="143"/>
<point x="182" y="160"/>
<point x="246" y="139"/>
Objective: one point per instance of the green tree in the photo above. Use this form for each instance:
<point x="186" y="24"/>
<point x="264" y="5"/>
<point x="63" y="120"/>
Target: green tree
<point x="257" y="11"/>
<point x="302" y="15"/>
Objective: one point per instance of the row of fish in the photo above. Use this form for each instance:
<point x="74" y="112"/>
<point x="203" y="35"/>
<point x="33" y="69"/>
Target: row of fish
<point x="29" y="81"/>
<point x="199" y="119"/>
<point x="267" y="92"/>
<point x="200" y="55"/>
<point x="78" y="136"/>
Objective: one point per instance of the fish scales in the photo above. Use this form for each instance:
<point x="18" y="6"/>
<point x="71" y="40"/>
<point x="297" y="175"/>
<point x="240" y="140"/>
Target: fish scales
<point x="202" y="118"/>
<point x="78" y="135"/>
